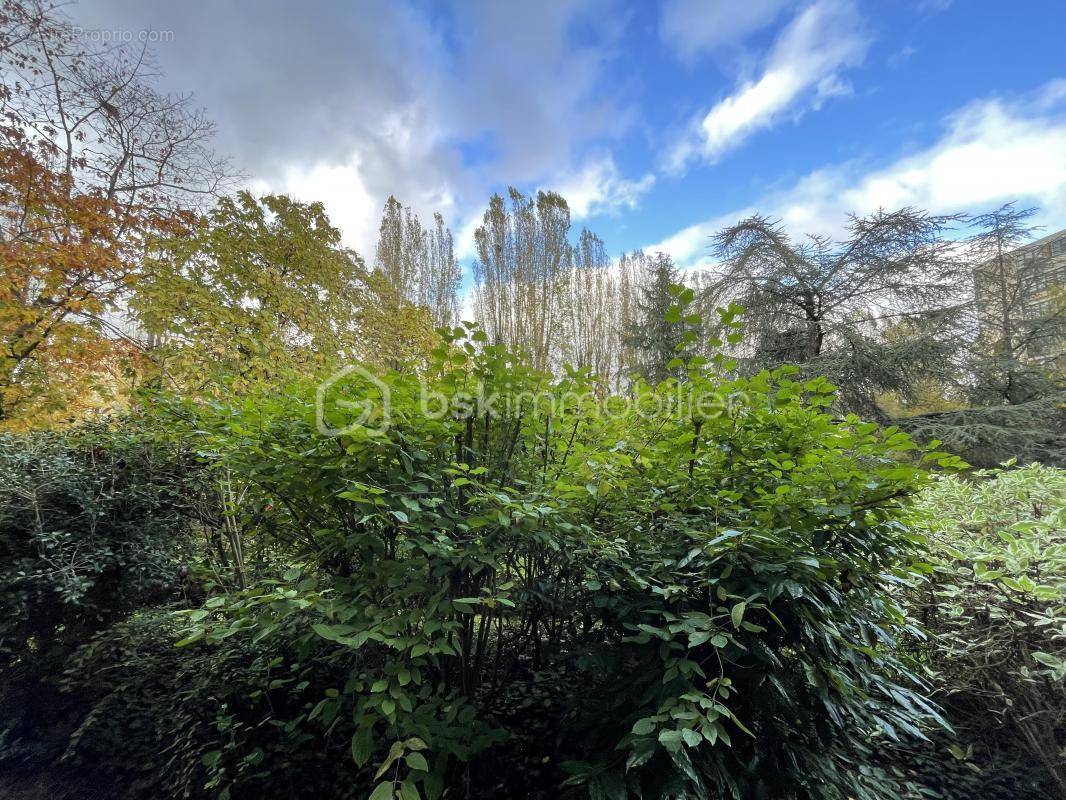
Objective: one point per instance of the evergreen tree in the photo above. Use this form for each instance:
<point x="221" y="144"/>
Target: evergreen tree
<point x="1010" y="329"/>
<point x="827" y="305"/>
<point x="655" y="334"/>
<point x="1012" y="378"/>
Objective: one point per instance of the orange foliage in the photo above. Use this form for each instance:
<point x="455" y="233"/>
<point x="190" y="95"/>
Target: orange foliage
<point x="68" y="261"/>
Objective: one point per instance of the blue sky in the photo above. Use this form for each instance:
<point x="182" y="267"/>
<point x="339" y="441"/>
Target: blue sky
<point x="660" y="122"/>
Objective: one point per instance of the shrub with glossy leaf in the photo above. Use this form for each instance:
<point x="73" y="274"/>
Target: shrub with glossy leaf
<point x="92" y="526"/>
<point x="89" y="524"/>
<point x="684" y="596"/>
<point x="229" y="720"/>
<point x="996" y="611"/>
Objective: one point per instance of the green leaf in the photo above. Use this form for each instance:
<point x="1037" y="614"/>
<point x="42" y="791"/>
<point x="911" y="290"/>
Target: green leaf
<point x="383" y="791"/>
<point x="698" y="638"/>
<point x="737" y="614"/>
<point x="670" y="739"/>
<point x="642" y="727"/>
<point x="1048" y="660"/>
<point x="195" y="635"/>
<point x="362" y="746"/>
<point x="433" y="786"/>
<point x="417" y="761"/>
<point x="211" y="759"/>
<point x="333" y="632"/>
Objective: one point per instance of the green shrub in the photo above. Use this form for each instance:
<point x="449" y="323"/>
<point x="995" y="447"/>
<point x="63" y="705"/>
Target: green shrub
<point x="93" y="525"/>
<point x="995" y="608"/>
<point x="534" y="590"/>
<point x="159" y="721"/>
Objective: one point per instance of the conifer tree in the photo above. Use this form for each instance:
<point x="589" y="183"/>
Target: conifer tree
<point x="654" y="333"/>
<point x="825" y="305"/>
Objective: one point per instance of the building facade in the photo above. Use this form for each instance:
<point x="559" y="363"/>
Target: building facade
<point x="1021" y="303"/>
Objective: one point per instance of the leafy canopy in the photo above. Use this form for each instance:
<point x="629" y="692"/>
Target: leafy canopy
<point x="702" y="576"/>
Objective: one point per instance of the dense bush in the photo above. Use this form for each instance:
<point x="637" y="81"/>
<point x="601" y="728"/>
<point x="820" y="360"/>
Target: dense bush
<point x="995" y="608"/>
<point x="666" y="598"/>
<point x="533" y="593"/>
<point x="89" y="528"/>
<point x="159" y="721"/>
<point x="93" y="525"/>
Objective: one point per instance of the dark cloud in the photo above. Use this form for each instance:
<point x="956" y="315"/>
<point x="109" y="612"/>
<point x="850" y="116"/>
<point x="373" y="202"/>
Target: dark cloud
<point x="388" y="94"/>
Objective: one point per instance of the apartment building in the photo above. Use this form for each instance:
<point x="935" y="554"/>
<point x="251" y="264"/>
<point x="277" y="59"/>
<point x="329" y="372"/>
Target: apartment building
<point x="1029" y="298"/>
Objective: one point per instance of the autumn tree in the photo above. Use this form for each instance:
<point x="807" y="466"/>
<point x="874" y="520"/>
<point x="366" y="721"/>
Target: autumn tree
<point x="391" y="331"/>
<point x="95" y="162"/>
<point x="68" y="260"/>
<point x="523" y="258"/>
<point x="264" y="286"/>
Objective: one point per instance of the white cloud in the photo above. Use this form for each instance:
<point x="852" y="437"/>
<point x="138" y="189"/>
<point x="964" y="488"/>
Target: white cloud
<point x="901" y="56"/>
<point x="464" y="240"/>
<point x="349" y="103"/>
<point x="801" y="72"/>
<point x="598" y="188"/>
<point x="991" y="152"/>
<point x="689" y="246"/>
<point x="692" y="27"/>
<point x="340" y="188"/>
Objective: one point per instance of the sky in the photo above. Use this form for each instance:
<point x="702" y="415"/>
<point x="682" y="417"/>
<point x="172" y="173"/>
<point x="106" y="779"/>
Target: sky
<point x="660" y="122"/>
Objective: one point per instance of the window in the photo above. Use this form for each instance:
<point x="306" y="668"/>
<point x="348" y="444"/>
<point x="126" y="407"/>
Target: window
<point x="1035" y="310"/>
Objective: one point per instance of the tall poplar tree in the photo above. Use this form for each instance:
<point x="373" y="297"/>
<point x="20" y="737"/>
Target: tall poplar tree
<point x="590" y="312"/>
<point x="418" y="264"/>
<point x="523" y="259"/>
